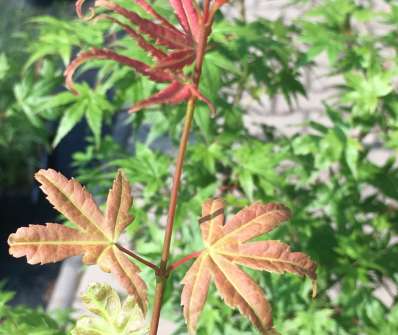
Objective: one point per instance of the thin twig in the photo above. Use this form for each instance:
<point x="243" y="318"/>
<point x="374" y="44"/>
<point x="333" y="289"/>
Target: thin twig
<point x="162" y="276"/>
<point x="138" y="258"/>
<point x="183" y="261"/>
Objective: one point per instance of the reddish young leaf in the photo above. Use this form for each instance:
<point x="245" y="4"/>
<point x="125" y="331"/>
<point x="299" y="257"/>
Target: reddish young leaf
<point x="226" y="249"/>
<point x="169" y="64"/>
<point x="95" y="236"/>
<point x="176" y="60"/>
<point x="214" y="8"/>
<point x="201" y="97"/>
<point x="149" y="9"/>
<point x="79" y="10"/>
<point x="159" y="76"/>
<point x="144" y="44"/>
<point x="217" y="4"/>
<point x="173" y="94"/>
<point x="188" y="17"/>
<point x="163" y="35"/>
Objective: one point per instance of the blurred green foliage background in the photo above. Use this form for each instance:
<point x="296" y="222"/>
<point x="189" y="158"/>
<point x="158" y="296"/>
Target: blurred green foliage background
<point x="345" y="203"/>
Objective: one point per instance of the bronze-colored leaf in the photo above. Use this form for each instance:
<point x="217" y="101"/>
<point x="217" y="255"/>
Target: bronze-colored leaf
<point x="240" y="291"/>
<point x="95" y="237"/>
<point x="227" y="247"/>
<point x="196" y="285"/>
<point x="73" y="201"/>
<point x="118" y="204"/>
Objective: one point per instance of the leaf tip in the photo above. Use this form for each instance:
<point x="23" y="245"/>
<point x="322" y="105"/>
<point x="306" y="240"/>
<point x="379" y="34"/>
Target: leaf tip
<point x="39" y="175"/>
<point x="10" y="242"/>
<point x="43" y="174"/>
<point x="79" y="11"/>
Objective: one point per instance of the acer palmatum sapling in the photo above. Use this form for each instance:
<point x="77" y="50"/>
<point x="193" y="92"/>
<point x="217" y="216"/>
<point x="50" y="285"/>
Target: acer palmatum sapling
<point x="174" y="50"/>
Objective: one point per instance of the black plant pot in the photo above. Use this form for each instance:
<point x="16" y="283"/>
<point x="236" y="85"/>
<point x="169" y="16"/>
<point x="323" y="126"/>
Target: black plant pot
<point x="31" y="283"/>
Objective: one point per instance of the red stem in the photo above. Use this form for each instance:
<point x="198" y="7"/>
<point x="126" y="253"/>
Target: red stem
<point x="183" y="261"/>
<point x="206" y="9"/>
<point x="162" y="274"/>
<point x="138" y="258"/>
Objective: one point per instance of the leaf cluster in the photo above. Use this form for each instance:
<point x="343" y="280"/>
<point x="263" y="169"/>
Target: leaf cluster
<point x="24" y="320"/>
<point x="344" y="200"/>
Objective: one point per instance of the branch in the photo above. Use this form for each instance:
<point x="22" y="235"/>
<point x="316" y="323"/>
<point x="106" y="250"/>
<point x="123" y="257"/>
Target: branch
<point x="182" y="261"/>
<point x="138" y="258"/>
<point x="162" y="278"/>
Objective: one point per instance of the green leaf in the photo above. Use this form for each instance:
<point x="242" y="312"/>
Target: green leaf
<point x="313" y="322"/>
<point x="247" y="183"/>
<point x="204" y="121"/>
<point x="352" y="150"/>
<point x="94" y="115"/>
<point x="60" y="99"/>
<point x="222" y="62"/>
<point x="71" y="117"/>
<point x="367" y="90"/>
<point x="4" y="67"/>
<point x="111" y="317"/>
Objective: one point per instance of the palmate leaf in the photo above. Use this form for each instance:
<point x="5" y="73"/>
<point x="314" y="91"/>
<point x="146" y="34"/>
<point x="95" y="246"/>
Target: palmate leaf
<point x="109" y="315"/>
<point x="181" y="47"/>
<point x="94" y="237"/>
<point x="226" y="249"/>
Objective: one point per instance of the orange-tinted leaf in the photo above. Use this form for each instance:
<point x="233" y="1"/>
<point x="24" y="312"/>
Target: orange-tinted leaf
<point x="212" y="220"/>
<point x="117" y="206"/>
<point x="114" y="261"/>
<point x="254" y="221"/>
<point x="51" y="243"/>
<point x="73" y="201"/>
<point x="196" y="286"/>
<point x="239" y="291"/>
<point x="272" y="256"/>
<point x="226" y="248"/>
<point x="95" y="236"/>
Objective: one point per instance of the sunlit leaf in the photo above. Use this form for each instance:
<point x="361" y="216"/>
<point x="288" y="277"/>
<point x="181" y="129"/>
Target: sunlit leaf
<point x="226" y="249"/>
<point x="94" y="237"/>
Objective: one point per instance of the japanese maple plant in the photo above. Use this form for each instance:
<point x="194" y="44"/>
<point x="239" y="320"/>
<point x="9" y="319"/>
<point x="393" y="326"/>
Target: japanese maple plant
<point x="178" y="54"/>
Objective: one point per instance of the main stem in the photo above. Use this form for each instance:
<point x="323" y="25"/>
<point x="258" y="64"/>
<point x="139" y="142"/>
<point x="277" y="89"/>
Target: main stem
<point x="162" y="278"/>
<point x="162" y="275"/>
